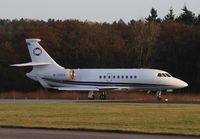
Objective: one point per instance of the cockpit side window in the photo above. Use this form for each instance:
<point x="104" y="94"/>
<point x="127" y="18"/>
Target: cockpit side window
<point x="167" y="74"/>
<point x="163" y="74"/>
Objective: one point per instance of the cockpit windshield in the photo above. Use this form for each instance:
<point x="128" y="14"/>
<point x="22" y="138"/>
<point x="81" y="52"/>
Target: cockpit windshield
<point x="163" y="75"/>
<point x="159" y="75"/>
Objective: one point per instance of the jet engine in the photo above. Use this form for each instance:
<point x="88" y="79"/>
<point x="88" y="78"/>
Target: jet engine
<point x="66" y="74"/>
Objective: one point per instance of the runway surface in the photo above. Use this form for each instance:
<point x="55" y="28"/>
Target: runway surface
<point x="20" y="133"/>
<point x="93" y="101"/>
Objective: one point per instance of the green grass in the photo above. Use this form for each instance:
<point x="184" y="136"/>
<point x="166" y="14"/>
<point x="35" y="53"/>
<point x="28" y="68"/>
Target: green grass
<point x="148" y="118"/>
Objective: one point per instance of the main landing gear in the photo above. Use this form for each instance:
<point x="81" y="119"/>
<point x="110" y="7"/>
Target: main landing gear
<point x="91" y="95"/>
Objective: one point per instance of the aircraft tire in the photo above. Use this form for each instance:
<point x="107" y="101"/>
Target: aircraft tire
<point x="102" y="96"/>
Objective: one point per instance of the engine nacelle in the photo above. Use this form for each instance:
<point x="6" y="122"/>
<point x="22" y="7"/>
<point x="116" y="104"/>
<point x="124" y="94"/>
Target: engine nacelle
<point x="65" y="74"/>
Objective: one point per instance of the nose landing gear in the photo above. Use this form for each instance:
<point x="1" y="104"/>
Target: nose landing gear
<point x="158" y="95"/>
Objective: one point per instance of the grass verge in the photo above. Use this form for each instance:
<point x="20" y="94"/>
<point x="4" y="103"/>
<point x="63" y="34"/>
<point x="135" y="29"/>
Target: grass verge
<point x="145" y="118"/>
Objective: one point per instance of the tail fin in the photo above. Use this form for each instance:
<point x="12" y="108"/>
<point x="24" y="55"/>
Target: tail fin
<point x="40" y="58"/>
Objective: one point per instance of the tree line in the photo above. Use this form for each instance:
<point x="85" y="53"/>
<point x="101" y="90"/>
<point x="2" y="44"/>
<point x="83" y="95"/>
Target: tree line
<point x="171" y="44"/>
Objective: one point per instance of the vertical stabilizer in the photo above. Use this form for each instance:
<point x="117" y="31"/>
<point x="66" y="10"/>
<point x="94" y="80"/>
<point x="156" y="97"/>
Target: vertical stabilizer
<point x="41" y="62"/>
<point x="40" y="59"/>
<point x="39" y="55"/>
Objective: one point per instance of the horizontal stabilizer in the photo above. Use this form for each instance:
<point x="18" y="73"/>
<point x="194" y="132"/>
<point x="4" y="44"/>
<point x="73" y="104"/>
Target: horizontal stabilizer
<point x="77" y="89"/>
<point x="31" y="64"/>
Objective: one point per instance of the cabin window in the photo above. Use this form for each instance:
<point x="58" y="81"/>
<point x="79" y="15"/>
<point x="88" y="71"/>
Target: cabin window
<point x="131" y="77"/>
<point x="135" y="76"/>
<point x="122" y="77"/>
<point x="118" y="77"/>
<point x="100" y="77"/>
<point x="104" y="76"/>
<point x="113" y="77"/>
<point x="126" y="76"/>
<point x="108" y="77"/>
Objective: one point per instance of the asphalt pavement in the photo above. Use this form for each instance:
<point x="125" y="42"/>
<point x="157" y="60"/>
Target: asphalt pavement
<point x="21" y="133"/>
<point x="94" y="101"/>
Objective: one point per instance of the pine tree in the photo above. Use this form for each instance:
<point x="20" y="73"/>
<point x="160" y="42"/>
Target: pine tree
<point x="153" y="16"/>
<point x="170" y="15"/>
<point x="187" y="17"/>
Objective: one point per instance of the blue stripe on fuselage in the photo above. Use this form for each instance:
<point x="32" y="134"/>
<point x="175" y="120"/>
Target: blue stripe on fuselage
<point x="103" y="83"/>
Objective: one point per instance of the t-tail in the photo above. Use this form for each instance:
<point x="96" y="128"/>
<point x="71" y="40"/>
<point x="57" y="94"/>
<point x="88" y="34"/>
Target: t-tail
<point x="40" y="60"/>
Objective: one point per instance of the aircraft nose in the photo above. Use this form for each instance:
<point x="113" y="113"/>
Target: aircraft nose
<point x="185" y="84"/>
<point x="182" y="84"/>
<point x="179" y="83"/>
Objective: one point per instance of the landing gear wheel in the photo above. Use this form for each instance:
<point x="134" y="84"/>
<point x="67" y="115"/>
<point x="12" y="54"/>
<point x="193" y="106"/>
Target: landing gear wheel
<point x="159" y="98"/>
<point x="91" y="95"/>
<point x="102" y="96"/>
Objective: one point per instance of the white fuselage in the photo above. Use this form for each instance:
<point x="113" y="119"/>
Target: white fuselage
<point x="113" y="79"/>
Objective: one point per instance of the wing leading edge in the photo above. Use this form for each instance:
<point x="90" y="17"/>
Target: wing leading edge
<point x="85" y="88"/>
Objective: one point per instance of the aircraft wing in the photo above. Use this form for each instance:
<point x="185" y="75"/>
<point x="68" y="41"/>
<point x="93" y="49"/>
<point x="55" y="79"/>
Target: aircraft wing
<point x="86" y="88"/>
<point x="77" y="88"/>
<point x="108" y="88"/>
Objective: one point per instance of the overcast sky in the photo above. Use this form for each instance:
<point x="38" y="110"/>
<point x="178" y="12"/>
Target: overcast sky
<point x="93" y="10"/>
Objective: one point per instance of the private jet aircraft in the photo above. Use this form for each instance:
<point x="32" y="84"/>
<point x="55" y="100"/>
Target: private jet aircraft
<point x="51" y="75"/>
